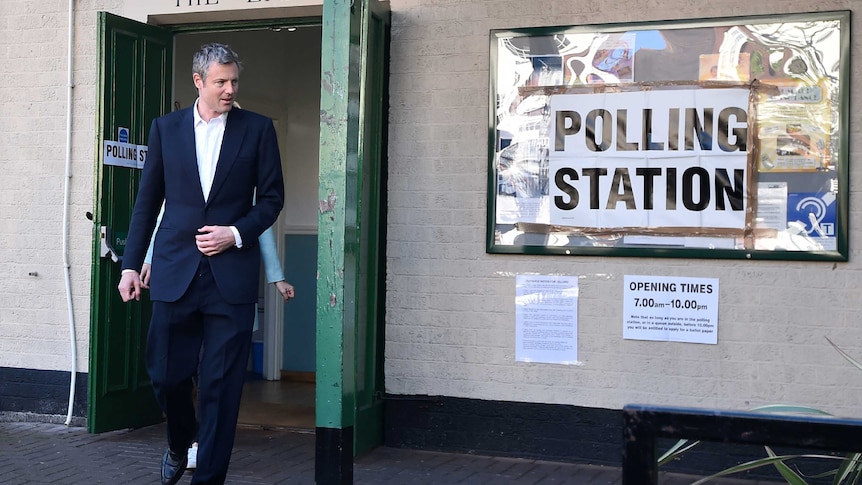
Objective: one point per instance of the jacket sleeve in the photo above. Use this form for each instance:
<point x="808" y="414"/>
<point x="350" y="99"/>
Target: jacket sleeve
<point x="148" y="259"/>
<point x="151" y="194"/>
<point x="269" y="254"/>
<point x="269" y="187"/>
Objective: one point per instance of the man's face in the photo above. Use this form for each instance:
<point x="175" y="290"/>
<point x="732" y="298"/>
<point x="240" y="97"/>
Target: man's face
<point x="218" y="90"/>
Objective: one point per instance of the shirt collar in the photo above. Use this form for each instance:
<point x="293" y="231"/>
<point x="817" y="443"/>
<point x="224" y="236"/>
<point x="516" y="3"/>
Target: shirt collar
<point x="197" y="115"/>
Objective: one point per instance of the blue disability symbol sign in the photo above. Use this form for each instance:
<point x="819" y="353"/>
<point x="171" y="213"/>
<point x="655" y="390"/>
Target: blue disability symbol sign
<point x="815" y="210"/>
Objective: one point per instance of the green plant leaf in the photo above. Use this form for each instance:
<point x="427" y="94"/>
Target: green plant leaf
<point x="789" y="409"/>
<point x="847" y="468"/>
<point x="792" y="477"/>
<point x="751" y="465"/>
<point x="845" y="354"/>
<point x="676" y="450"/>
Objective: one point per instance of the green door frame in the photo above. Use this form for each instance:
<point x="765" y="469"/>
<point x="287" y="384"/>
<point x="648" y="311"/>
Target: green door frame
<point x="133" y="89"/>
<point x="350" y="235"/>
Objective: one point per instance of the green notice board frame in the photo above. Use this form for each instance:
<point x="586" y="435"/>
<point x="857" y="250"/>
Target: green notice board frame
<point x="714" y="138"/>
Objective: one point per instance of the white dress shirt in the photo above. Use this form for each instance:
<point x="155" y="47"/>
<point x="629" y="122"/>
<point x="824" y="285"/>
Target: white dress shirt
<point x="208" y="140"/>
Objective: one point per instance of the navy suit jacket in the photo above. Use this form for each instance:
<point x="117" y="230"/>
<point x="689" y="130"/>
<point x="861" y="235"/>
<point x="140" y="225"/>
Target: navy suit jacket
<point x="249" y="161"/>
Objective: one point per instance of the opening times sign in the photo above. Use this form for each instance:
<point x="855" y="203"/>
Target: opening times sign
<point x="671" y="309"/>
<point x="649" y="159"/>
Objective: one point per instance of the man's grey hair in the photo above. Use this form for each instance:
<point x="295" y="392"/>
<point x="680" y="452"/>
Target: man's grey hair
<point x="209" y="53"/>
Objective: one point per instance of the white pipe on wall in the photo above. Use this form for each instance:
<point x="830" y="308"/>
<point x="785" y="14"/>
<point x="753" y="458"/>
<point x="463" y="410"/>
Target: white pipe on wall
<point x="67" y="267"/>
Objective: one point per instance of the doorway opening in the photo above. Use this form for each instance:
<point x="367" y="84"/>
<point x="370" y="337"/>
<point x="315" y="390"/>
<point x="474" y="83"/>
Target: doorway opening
<point x="280" y="79"/>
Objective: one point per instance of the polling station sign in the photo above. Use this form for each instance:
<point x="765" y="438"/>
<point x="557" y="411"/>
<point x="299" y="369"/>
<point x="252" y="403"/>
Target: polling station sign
<point x="649" y="159"/>
<point x="120" y="154"/>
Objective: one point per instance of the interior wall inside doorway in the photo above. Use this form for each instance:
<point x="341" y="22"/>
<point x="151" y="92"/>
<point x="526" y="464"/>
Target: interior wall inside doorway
<point x="280" y="79"/>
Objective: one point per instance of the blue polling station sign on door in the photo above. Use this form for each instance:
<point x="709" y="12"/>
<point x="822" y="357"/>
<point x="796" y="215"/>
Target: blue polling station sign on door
<point x="123" y="135"/>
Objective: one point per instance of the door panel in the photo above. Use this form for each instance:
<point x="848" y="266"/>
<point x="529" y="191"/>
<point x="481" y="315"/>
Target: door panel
<point x="351" y="236"/>
<point x="299" y="316"/>
<point x="135" y="79"/>
<point x="370" y="290"/>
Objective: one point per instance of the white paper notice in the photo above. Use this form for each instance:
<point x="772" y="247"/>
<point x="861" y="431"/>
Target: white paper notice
<point x="671" y="309"/>
<point x="546" y="319"/>
<point x="771" y="206"/>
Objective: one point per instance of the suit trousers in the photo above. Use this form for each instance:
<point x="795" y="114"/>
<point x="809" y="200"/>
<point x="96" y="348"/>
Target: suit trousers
<point x="200" y="334"/>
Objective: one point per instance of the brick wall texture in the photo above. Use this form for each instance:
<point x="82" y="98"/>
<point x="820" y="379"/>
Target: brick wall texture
<point x="450" y="314"/>
<point x="450" y="308"/>
<point x="34" y="313"/>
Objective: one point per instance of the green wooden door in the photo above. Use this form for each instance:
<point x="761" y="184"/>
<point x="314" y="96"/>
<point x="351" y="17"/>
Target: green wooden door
<point x="371" y="229"/>
<point x="351" y="235"/>
<point x="134" y="87"/>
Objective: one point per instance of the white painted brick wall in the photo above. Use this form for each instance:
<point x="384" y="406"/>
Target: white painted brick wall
<point x="34" y="323"/>
<point x="450" y="306"/>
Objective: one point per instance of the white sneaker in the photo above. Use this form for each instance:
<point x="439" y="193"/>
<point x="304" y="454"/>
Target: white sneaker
<point x="193" y="457"/>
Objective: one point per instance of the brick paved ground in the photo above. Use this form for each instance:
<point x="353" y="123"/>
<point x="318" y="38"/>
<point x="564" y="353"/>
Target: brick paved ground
<point x="41" y="453"/>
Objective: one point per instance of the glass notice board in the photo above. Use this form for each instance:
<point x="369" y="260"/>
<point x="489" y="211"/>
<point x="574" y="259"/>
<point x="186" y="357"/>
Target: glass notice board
<point x="722" y="138"/>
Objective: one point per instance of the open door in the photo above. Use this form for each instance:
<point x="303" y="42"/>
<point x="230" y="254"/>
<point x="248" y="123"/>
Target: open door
<point x="371" y="266"/>
<point x="351" y="235"/>
<point x="135" y="62"/>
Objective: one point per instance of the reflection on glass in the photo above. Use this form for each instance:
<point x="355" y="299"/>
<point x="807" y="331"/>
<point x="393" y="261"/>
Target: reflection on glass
<point x="791" y="67"/>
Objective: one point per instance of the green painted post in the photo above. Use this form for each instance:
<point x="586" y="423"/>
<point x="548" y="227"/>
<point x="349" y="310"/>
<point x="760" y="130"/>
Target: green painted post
<point x="339" y="135"/>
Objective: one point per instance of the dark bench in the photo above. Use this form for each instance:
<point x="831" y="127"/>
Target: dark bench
<point x="643" y="425"/>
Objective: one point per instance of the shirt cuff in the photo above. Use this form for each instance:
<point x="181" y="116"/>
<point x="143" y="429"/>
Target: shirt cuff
<point x="126" y="271"/>
<point x="236" y="236"/>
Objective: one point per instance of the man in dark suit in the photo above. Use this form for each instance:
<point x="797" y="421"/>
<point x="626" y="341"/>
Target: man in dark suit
<point x="218" y="172"/>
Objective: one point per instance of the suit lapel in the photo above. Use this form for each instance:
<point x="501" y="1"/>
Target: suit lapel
<point x="234" y="132"/>
<point x="188" y="155"/>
